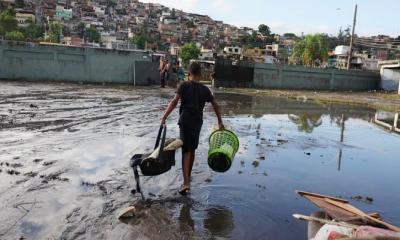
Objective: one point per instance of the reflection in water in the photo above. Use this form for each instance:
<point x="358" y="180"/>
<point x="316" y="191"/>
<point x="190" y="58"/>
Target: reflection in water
<point x="342" y="126"/>
<point x="218" y="221"/>
<point x="387" y="120"/>
<point x="185" y="218"/>
<point x="306" y="122"/>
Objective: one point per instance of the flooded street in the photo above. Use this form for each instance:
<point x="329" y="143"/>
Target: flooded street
<point x="65" y="150"/>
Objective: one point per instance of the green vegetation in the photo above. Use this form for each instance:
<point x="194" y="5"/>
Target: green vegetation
<point x="15" y="36"/>
<point x="33" y="32"/>
<point x="254" y="40"/>
<point x="93" y="35"/>
<point x="190" y="24"/>
<point x="8" y="23"/>
<point x="19" y="3"/>
<point x="311" y="50"/>
<point x="55" y="31"/>
<point x="80" y="28"/>
<point x="264" y="30"/>
<point x="189" y="51"/>
<point x="306" y="122"/>
<point x="139" y="40"/>
<point x="289" y="35"/>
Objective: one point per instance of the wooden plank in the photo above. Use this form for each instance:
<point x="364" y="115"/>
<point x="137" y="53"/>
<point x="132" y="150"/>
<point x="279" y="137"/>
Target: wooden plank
<point x="302" y="193"/>
<point x="332" y="210"/>
<point x="357" y="211"/>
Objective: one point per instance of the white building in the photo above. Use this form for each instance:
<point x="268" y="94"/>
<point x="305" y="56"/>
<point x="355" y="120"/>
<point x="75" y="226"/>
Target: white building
<point x="342" y="50"/>
<point x="206" y="54"/>
<point x="233" y="50"/>
<point x="99" y="10"/>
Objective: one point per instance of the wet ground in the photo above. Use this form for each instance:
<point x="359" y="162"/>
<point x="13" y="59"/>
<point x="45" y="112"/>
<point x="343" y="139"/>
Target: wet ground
<point x="65" y="153"/>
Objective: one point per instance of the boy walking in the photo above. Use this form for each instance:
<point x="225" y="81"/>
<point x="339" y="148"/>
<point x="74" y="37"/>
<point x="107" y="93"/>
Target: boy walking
<point x="193" y="96"/>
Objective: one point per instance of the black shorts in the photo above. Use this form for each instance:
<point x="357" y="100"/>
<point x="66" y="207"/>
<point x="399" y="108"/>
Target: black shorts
<point x="190" y="138"/>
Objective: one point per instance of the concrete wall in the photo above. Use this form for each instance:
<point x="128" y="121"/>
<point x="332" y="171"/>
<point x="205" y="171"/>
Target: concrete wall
<point x="146" y="73"/>
<point x="296" y="77"/>
<point x="61" y="63"/>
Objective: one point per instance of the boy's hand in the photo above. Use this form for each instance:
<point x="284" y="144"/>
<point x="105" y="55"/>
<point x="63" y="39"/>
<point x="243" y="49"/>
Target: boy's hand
<point x="221" y="126"/>
<point x="163" y="121"/>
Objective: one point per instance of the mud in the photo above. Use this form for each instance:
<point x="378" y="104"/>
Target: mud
<point x="65" y="150"/>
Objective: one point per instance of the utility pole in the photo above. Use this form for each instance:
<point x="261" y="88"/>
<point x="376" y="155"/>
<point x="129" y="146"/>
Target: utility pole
<point x="352" y="39"/>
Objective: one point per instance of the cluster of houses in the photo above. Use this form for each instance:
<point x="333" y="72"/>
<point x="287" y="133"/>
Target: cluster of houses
<point x="166" y="29"/>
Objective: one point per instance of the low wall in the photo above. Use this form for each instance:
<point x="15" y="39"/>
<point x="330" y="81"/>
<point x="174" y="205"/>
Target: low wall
<point x="30" y="61"/>
<point x="295" y="77"/>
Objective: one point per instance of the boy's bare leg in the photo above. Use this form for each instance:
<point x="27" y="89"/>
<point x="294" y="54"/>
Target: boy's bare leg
<point x="192" y="156"/>
<point x="186" y="168"/>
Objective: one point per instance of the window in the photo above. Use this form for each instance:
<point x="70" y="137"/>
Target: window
<point x="236" y="50"/>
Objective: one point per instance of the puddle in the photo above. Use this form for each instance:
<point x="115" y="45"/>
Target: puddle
<point x="72" y="151"/>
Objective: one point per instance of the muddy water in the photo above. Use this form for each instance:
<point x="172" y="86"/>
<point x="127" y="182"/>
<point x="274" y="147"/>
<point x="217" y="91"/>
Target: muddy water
<point x="65" y="151"/>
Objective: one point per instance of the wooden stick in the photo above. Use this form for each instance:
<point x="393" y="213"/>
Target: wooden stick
<point x="324" y="221"/>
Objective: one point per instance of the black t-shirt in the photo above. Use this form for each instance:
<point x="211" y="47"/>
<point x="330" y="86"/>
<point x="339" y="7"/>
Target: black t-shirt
<point x="194" y="96"/>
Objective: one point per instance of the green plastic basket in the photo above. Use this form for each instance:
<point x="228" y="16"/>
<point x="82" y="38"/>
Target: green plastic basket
<point x="223" y="146"/>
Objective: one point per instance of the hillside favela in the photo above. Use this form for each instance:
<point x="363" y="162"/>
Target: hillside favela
<point x="213" y="119"/>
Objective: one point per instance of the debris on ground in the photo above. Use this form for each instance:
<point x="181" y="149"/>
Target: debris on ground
<point x="31" y="174"/>
<point x="13" y="172"/>
<point x="49" y="163"/>
<point x="365" y="199"/>
<point x="281" y="141"/>
<point x="37" y="160"/>
<point x="256" y="163"/>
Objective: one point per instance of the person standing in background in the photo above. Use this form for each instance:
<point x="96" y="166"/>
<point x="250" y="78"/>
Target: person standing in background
<point x="167" y="71"/>
<point x="162" y="72"/>
<point x="181" y="73"/>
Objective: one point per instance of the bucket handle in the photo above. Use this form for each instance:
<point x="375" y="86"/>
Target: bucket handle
<point x="162" y="132"/>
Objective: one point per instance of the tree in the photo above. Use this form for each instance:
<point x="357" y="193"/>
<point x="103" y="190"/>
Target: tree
<point x="343" y="36"/>
<point x="306" y="122"/>
<point x="311" y="49"/>
<point x="189" y="51"/>
<point x="397" y="40"/>
<point x="8" y="23"/>
<point x="15" y="36"/>
<point x="264" y="30"/>
<point x="19" y="3"/>
<point x="93" y="35"/>
<point x="139" y="40"/>
<point x="190" y="24"/>
<point x="33" y="32"/>
<point x="290" y="35"/>
<point x="80" y="29"/>
<point x="55" y="31"/>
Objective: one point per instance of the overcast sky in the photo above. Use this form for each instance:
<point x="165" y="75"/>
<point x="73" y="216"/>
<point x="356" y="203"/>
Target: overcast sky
<point x="297" y="16"/>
